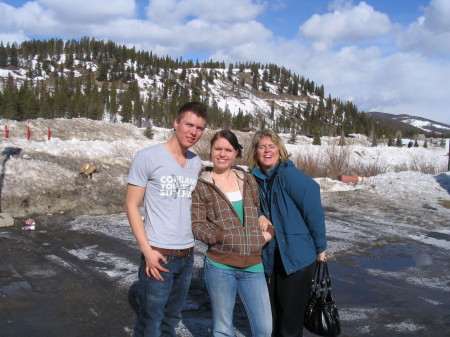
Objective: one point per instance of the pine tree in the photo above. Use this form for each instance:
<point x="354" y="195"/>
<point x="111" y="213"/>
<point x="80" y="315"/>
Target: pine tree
<point x="399" y="143"/>
<point x="230" y="72"/>
<point x="113" y="99"/>
<point x="425" y="145"/>
<point x="13" y="55"/>
<point x="137" y="112"/>
<point x="390" y="141"/>
<point x="416" y="144"/>
<point x="149" y="132"/>
<point x="316" y="140"/>
<point x="102" y="72"/>
<point x="374" y="140"/>
<point x="293" y="137"/>
<point x="3" y="55"/>
<point x="127" y="108"/>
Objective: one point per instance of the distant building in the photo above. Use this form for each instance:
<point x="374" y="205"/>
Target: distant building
<point x="356" y="135"/>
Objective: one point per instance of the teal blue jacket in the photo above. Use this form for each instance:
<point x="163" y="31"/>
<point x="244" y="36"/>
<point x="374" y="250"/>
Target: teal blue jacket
<point x="291" y="200"/>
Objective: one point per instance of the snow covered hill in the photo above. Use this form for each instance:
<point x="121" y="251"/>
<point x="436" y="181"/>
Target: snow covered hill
<point x="426" y="125"/>
<point x="79" y="266"/>
<point x="42" y="176"/>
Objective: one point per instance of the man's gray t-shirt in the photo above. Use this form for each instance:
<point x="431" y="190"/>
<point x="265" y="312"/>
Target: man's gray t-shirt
<point x="168" y="189"/>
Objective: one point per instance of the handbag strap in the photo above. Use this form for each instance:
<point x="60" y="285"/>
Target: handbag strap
<point x="321" y="283"/>
<point x="315" y="284"/>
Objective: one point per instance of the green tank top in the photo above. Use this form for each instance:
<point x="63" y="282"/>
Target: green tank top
<point x="238" y="205"/>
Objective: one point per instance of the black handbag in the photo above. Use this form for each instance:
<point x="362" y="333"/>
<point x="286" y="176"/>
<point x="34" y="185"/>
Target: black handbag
<point x="322" y="316"/>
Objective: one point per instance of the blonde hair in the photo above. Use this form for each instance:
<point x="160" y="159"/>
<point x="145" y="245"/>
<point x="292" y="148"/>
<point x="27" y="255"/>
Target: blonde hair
<point x="252" y="162"/>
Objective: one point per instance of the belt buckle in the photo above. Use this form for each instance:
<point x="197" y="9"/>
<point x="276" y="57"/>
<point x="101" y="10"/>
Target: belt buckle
<point x="178" y="254"/>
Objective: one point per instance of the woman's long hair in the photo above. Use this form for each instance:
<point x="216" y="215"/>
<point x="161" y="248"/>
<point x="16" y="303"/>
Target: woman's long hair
<point x="252" y="162"/>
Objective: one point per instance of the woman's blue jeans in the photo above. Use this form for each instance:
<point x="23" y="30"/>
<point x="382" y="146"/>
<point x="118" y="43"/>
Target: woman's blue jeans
<point x="223" y="285"/>
<point x="160" y="302"/>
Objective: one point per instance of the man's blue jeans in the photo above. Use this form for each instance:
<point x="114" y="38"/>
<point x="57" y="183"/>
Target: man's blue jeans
<point x="160" y="302"/>
<point x="223" y="285"/>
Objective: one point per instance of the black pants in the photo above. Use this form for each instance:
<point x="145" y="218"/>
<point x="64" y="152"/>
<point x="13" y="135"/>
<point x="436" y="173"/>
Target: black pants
<point x="289" y="295"/>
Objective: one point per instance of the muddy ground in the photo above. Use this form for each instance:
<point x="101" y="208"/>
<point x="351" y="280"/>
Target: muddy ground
<point x="75" y="275"/>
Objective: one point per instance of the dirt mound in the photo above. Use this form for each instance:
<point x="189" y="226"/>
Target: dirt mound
<point x="41" y="176"/>
<point x="77" y="128"/>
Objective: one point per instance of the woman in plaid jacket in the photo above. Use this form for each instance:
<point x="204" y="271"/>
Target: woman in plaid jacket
<point x="225" y="205"/>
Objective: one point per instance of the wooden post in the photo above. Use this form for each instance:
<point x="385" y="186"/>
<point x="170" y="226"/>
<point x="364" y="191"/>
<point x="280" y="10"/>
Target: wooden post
<point x="28" y="132"/>
<point x="49" y="133"/>
<point x="6" y="132"/>
<point x="448" y="154"/>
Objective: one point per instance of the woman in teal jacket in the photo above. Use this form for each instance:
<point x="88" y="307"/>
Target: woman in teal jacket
<point x="291" y="200"/>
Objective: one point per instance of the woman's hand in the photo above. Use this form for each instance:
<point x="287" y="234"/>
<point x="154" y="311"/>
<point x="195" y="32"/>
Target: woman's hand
<point x="264" y="223"/>
<point x="322" y="257"/>
<point x="267" y="236"/>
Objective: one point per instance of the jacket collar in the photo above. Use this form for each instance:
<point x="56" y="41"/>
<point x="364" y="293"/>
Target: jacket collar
<point x="207" y="176"/>
<point x="260" y="174"/>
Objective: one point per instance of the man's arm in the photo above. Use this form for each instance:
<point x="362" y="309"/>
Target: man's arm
<point x="135" y="195"/>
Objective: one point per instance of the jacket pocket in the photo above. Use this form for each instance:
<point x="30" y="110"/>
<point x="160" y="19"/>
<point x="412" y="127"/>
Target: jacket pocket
<point x="296" y="229"/>
<point x="242" y="240"/>
<point x="302" y="241"/>
<point x="255" y="240"/>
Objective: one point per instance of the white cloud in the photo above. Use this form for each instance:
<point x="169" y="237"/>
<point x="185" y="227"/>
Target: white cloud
<point x="89" y="11"/>
<point x="28" y="19"/>
<point x="402" y="83"/>
<point x="437" y="16"/>
<point x="174" y="27"/>
<point x="34" y="19"/>
<point x="13" y="37"/>
<point x="195" y="36"/>
<point x="7" y="21"/>
<point x="345" y="24"/>
<point x="166" y="12"/>
<point x="374" y="76"/>
<point x="430" y="34"/>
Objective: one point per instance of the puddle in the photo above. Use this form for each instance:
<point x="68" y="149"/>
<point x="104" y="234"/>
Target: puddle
<point x="349" y="285"/>
<point x="439" y="235"/>
<point x="394" y="258"/>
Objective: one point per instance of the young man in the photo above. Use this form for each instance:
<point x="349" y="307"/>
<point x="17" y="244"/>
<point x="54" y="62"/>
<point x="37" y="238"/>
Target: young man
<point x="163" y="176"/>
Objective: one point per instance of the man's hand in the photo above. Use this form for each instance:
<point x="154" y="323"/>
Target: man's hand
<point x="152" y="265"/>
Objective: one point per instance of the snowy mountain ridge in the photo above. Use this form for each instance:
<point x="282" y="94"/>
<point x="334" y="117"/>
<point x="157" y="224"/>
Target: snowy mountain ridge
<point x="424" y="124"/>
<point x="103" y="81"/>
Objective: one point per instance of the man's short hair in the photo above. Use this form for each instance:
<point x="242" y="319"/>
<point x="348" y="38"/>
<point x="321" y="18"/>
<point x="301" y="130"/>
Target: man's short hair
<point x="197" y="108"/>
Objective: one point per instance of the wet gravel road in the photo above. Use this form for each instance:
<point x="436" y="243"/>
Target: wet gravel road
<point x="47" y="291"/>
<point x="74" y="276"/>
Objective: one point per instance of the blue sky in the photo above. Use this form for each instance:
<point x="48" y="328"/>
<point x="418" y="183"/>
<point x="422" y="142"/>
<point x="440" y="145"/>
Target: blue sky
<point x="383" y="55"/>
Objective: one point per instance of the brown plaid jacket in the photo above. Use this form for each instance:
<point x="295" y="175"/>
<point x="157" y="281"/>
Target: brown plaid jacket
<point x="216" y="223"/>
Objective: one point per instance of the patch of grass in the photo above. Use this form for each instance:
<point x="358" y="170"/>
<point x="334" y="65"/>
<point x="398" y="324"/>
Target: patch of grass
<point x="328" y="209"/>
<point x="333" y="161"/>
<point x="311" y="164"/>
<point x="426" y="206"/>
<point x="421" y="164"/>
<point x="445" y="203"/>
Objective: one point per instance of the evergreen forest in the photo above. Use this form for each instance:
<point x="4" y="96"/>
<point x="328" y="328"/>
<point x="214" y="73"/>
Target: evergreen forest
<point x="102" y="80"/>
